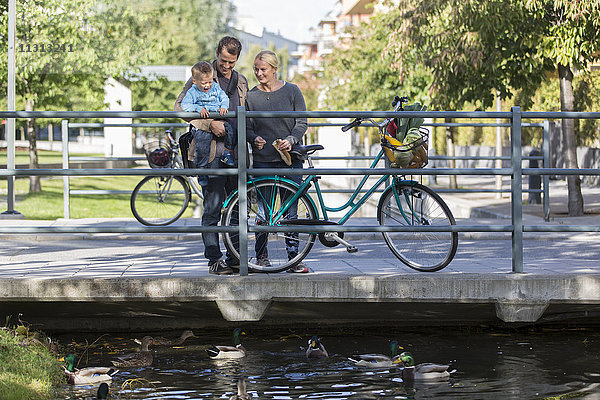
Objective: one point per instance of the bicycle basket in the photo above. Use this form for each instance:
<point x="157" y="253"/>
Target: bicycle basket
<point x="411" y="152"/>
<point x="157" y="154"/>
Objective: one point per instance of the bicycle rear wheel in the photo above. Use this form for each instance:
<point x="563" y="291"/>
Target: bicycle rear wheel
<point x="160" y="200"/>
<point x="282" y="249"/>
<point x="412" y="204"/>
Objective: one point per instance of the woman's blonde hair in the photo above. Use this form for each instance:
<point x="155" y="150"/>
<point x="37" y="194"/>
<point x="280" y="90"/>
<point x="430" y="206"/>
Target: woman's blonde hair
<point x="269" y="57"/>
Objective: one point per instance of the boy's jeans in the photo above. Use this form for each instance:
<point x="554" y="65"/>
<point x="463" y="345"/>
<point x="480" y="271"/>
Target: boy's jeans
<point x="202" y="141"/>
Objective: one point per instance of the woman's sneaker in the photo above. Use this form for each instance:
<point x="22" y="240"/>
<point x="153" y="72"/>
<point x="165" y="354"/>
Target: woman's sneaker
<point x="299" y="268"/>
<point x="263" y="262"/>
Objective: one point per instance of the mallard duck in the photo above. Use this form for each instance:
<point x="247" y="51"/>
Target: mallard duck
<point x="86" y="376"/>
<point x="423" y="371"/>
<point x="142" y="358"/>
<point x="316" y="349"/>
<point x="235" y="351"/>
<point x="162" y="341"/>
<point x="378" y="360"/>
<point x="241" y="388"/>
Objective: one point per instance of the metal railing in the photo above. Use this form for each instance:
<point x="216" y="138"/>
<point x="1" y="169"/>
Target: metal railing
<point x="544" y="158"/>
<point x="516" y="171"/>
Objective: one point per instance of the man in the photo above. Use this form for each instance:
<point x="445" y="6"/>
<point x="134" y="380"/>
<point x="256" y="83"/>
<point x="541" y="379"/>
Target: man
<point x="235" y="86"/>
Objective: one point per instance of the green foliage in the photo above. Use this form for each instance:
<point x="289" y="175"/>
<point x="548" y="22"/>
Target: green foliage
<point x="472" y="49"/>
<point x="358" y="74"/>
<point x="90" y="41"/>
<point x="155" y="95"/>
<point x="188" y="31"/>
<point x="28" y="371"/>
<point x="570" y="30"/>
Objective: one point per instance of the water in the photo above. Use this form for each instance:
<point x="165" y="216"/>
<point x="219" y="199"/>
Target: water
<point x="489" y="365"/>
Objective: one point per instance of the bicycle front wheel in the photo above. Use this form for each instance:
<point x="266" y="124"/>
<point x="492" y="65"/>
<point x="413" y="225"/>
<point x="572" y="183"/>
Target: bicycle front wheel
<point x="412" y="204"/>
<point x="160" y="200"/>
<point x="269" y="205"/>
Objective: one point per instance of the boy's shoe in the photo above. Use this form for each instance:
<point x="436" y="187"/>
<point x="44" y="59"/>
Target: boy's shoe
<point x="299" y="268"/>
<point x="227" y="158"/>
<point x="220" y="268"/>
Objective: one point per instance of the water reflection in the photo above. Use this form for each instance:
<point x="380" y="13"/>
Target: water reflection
<point x="488" y="365"/>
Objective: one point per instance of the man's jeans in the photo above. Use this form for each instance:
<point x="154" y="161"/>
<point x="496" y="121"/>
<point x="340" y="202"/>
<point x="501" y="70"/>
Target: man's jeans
<point x="215" y="190"/>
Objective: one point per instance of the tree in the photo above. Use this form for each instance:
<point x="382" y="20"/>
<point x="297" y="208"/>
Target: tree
<point x="570" y="38"/>
<point x="358" y="75"/>
<point x="188" y="30"/>
<point x="476" y="47"/>
<point x="66" y="47"/>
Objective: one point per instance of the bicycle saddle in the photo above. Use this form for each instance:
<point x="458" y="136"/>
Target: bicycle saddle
<point x="302" y="151"/>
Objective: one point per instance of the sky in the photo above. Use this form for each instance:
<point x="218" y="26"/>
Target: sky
<point x="292" y="18"/>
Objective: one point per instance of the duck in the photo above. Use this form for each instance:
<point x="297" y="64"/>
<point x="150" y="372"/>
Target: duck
<point x="86" y="376"/>
<point x="162" y="341"/>
<point x="423" y="371"/>
<point x="379" y="360"/>
<point x="228" y="352"/>
<point x="241" y="388"/>
<point x="316" y="349"/>
<point x="142" y="358"/>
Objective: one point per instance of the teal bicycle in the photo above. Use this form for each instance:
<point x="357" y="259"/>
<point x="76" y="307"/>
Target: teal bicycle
<point x="278" y="201"/>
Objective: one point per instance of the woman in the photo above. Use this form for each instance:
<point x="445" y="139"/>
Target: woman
<point x="273" y="94"/>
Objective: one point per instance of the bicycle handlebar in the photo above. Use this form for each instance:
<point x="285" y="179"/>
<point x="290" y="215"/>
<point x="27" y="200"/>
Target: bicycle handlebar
<point x="169" y="133"/>
<point x="356" y="122"/>
<point x="396" y="103"/>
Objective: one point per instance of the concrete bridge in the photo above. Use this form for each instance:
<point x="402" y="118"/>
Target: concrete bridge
<point x="123" y="282"/>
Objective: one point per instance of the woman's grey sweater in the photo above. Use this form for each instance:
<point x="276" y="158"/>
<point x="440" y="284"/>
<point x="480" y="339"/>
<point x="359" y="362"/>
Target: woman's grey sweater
<point x="288" y="98"/>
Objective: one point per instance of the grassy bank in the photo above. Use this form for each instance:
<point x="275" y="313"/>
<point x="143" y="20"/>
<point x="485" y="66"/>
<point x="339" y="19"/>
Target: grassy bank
<point x="28" y="371"/>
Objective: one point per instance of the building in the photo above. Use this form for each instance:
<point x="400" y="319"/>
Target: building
<point x="331" y="32"/>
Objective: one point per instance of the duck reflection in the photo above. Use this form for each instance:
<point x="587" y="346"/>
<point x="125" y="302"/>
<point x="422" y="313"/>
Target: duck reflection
<point x="241" y="391"/>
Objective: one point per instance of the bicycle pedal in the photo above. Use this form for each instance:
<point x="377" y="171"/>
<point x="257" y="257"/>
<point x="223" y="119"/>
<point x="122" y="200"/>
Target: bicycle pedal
<point x="352" y="249"/>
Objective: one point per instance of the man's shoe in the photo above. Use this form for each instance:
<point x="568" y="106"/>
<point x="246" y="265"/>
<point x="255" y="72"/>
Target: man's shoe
<point x="299" y="268"/>
<point x="220" y="268"/>
<point x="234" y="265"/>
<point x="227" y="158"/>
<point x="263" y="262"/>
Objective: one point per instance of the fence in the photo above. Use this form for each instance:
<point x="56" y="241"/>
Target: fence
<point x="544" y="158"/>
<point x="516" y="171"/>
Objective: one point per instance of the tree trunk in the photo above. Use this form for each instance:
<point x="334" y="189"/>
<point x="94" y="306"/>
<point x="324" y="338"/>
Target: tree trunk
<point x="34" y="181"/>
<point x="575" y="202"/>
<point x="450" y="150"/>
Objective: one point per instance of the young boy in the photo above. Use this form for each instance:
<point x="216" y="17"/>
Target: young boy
<point x="203" y="97"/>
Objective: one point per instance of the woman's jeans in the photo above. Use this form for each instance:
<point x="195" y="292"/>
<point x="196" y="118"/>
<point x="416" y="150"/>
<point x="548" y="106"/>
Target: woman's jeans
<point x="291" y="241"/>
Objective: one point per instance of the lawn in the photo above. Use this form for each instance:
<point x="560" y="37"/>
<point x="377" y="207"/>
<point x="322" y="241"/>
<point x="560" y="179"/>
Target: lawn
<point x="44" y="157"/>
<point x="48" y="204"/>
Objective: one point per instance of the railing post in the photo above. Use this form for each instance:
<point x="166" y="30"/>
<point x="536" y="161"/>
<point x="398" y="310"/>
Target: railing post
<point x="242" y="190"/>
<point x="546" y="164"/>
<point x="516" y="191"/>
<point x="65" y="164"/>
<point x="10" y="122"/>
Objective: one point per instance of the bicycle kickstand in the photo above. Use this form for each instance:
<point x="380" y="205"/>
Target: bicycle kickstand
<point x="349" y="248"/>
